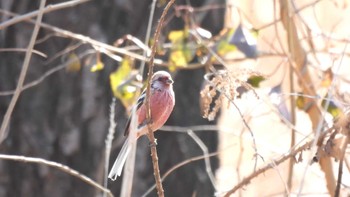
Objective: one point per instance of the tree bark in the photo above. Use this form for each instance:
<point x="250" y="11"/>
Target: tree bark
<point x="65" y="117"/>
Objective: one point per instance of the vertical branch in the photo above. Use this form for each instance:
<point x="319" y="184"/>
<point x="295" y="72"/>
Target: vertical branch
<point x="292" y="141"/>
<point x="23" y="73"/>
<point x="341" y="163"/>
<point x="109" y="139"/>
<point x="151" y="138"/>
<point x="148" y="33"/>
<point x="292" y="107"/>
<point x="298" y="57"/>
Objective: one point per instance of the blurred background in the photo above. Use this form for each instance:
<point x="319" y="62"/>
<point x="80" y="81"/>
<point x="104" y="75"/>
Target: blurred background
<point x="65" y="118"/>
<point x="254" y="80"/>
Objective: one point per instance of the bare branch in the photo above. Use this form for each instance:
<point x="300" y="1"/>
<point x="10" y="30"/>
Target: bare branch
<point x="248" y="179"/>
<point x="23" y="73"/>
<point x="177" y="166"/>
<point x="108" y="142"/>
<point x="58" y="166"/>
<point x="147" y="103"/>
<point x="23" y="50"/>
<point x="43" y="76"/>
<point x="47" y="9"/>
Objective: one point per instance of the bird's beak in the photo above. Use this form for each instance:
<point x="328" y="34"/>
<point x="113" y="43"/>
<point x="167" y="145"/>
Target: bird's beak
<point x="169" y="81"/>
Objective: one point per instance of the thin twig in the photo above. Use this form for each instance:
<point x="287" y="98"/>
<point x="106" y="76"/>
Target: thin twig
<point x="99" y="46"/>
<point x="151" y="138"/>
<point x="206" y="159"/>
<point x="47" y="9"/>
<point x="58" y="166"/>
<point x="23" y="73"/>
<point x="177" y="166"/>
<point x="108" y="142"/>
<point x="23" y="50"/>
<point x="192" y="128"/>
<point x="248" y="179"/>
<point x="44" y="76"/>
<point x="251" y="133"/>
<point x="340" y="169"/>
<point x="148" y="34"/>
<point x="293" y="117"/>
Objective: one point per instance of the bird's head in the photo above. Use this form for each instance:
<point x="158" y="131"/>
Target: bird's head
<point x="162" y="79"/>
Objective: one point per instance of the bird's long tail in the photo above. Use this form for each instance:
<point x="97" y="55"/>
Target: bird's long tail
<point x="120" y="161"/>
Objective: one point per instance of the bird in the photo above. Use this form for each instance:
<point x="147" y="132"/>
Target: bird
<point x="162" y="102"/>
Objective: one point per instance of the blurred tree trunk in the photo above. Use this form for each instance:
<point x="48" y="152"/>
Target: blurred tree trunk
<point x="65" y="117"/>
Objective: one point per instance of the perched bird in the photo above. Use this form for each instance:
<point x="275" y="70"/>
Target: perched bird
<point x="162" y="101"/>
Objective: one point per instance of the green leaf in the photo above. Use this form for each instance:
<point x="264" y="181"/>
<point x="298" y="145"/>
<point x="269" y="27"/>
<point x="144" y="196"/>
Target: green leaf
<point x="332" y="108"/>
<point x="224" y="45"/>
<point x="255" y="81"/>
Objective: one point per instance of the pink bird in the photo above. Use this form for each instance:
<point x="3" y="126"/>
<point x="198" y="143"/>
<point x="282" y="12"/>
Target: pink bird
<point x="162" y="101"/>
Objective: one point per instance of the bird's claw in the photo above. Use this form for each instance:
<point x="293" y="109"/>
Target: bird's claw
<point x="154" y="143"/>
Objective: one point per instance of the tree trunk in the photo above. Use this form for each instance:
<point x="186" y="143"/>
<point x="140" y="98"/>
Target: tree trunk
<point x="65" y="117"/>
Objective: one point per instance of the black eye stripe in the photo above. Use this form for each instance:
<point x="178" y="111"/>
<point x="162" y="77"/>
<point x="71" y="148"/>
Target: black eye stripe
<point x="162" y="78"/>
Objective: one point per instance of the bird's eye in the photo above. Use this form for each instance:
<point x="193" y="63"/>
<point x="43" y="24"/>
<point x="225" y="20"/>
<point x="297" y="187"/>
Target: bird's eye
<point x="162" y="79"/>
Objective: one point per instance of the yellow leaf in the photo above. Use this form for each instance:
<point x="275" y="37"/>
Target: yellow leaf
<point x="328" y="78"/>
<point x="300" y="102"/>
<point x="224" y="45"/>
<point x="97" y="67"/>
<point x="99" y="64"/>
<point x="180" y="53"/>
<point x="73" y="63"/>
<point x="119" y="85"/>
<point x="177" y="36"/>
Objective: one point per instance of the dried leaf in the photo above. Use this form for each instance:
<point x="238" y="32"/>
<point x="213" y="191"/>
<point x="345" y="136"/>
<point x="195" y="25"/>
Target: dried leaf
<point x="328" y="78"/>
<point x="335" y="147"/>
<point x="73" y="63"/>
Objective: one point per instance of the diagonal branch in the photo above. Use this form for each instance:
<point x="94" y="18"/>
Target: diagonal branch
<point x="58" y="166"/>
<point x="23" y="73"/>
<point x="47" y="9"/>
<point x="248" y="179"/>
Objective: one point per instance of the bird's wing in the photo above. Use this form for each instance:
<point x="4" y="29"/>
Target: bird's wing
<point x="139" y="103"/>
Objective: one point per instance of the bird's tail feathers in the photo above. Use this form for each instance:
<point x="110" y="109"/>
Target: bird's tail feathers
<point x="120" y="161"/>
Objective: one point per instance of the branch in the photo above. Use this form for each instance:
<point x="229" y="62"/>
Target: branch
<point x="23" y="50"/>
<point x="43" y="76"/>
<point x="23" y="73"/>
<point x="47" y="9"/>
<point x="151" y="138"/>
<point x="248" y="179"/>
<point x="177" y="166"/>
<point x="108" y="142"/>
<point x="58" y="166"/>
